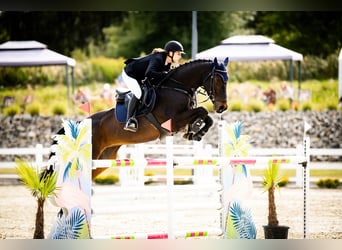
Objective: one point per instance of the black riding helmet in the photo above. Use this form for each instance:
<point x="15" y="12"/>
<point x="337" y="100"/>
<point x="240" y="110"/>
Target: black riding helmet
<point x="174" y="46"/>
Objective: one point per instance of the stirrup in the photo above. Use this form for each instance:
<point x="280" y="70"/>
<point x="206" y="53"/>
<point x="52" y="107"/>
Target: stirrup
<point x="131" y="125"/>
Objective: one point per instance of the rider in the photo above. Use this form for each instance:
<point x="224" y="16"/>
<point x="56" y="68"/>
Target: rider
<point x="153" y="66"/>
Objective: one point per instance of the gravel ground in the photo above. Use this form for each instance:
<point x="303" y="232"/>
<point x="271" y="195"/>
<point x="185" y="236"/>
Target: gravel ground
<point x="324" y="214"/>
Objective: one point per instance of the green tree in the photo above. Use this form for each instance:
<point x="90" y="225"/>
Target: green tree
<point x="63" y="31"/>
<point x="310" y="33"/>
<point x="140" y="32"/>
<point x="41" y="186"/>
<point x="214" y="26"/>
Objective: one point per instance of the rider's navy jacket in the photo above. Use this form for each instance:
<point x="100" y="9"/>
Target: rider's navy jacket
<point x="151" y="66"/>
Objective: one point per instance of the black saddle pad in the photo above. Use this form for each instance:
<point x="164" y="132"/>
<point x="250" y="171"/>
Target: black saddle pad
<point x="142" y="109"/>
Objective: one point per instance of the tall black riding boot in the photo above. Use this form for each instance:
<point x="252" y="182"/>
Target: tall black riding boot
<point x="131" y="121"/>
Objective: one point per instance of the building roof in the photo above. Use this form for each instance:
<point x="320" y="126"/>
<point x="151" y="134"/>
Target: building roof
<point x="31" y="53"/>
<point x="249" y="48"/>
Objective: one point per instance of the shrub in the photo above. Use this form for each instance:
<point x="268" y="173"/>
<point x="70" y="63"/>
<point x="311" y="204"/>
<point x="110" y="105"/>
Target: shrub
<point x="283" y="104"/>
<point x="331" y="105"/>
<point x="59" y="109"/>
<point x="33" y="108"/>
<point x="255" y="105"/>
<point x="107" y="179"/>
<point x="12" y="76"/>
<point x="106" y="69"/>
<point x="235" y="105"/>
<point x="306" y="106"/>
<point x="12" y="110"/>
<point x="328" y="183"/>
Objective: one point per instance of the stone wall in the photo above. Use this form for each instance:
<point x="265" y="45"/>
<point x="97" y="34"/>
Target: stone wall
<point x="266" y="129"/>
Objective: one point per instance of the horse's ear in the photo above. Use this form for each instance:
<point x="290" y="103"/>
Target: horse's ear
<point x="215" y="61"/>
<point x="226" y="61"/>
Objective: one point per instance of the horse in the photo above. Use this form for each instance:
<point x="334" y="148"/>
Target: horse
<point x="175" y="100"/>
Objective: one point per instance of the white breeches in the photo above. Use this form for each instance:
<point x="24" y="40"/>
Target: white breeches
<point x="132" y="84"/>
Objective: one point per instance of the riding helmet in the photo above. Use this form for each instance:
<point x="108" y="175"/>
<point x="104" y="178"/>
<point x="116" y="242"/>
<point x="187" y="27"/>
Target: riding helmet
<point x="174" y="46"/>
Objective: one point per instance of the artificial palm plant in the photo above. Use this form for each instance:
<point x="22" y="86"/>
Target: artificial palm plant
<point x="41" y="186"/>
<point x="271" y="181"/>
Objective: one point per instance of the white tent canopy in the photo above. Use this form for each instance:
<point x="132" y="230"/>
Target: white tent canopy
<point x="253" y="48"/>
<point x="249" y="48"/>
<point x="33" y="53"/>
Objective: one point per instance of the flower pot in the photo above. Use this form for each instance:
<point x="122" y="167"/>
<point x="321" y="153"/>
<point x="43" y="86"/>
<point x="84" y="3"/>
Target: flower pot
<point x="276" y="232"/>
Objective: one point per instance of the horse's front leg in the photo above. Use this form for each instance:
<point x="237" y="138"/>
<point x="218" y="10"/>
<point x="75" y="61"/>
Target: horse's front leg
<point x="198" y="120"/>
<point x="208" y="122"/>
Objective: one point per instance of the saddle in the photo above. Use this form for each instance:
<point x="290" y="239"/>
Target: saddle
<point x="145" y="106"/>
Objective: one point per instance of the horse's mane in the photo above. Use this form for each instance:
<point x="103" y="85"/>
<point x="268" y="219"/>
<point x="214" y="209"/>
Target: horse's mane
<point x="190" y="63"/>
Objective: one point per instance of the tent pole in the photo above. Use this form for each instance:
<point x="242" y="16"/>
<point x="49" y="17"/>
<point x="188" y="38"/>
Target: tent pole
<point x="194" y="35"/>
<point x="291" y="70"/>
<point x="299" y="64"/>
<point x="67" y="80"/>
<point x="72" y="81"/>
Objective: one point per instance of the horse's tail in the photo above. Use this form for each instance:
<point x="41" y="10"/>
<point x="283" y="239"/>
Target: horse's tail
<point x="50" y="168"/>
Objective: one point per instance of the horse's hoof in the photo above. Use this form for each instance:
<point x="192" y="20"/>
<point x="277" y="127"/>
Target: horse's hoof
<point x="197" y="137"/>
<point x="187" y="136"/>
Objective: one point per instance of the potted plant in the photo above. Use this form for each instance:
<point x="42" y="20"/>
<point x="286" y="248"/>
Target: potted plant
<point x="271" y="180"/>
<point x="42" y="185"/>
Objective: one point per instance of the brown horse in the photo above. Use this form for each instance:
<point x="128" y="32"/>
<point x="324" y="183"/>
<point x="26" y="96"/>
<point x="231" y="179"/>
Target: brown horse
<point x="175" y="99"/>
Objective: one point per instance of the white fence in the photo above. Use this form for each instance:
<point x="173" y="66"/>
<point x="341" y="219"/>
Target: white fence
<point x="129" y="177"/>
<point x="38" y="151"/>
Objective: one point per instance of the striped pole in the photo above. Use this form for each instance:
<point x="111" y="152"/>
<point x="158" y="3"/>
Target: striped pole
<point x="182" y="162"/>
<point x="186" y="234"/>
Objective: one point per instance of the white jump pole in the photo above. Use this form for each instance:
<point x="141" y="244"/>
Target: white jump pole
<point x="306" y="184"/>
<point x="306" y="177"/>
<point x="222" y="173"/>
<point x="169" y="184"/>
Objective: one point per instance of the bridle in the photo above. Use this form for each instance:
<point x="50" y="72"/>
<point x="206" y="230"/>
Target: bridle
<point x="211" y="93"/>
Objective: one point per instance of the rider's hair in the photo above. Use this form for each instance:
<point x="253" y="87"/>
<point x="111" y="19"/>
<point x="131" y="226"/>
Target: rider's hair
<point x="158" y="50"/>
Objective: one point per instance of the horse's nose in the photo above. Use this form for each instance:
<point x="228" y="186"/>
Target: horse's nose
<point x="222" y="107"/>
